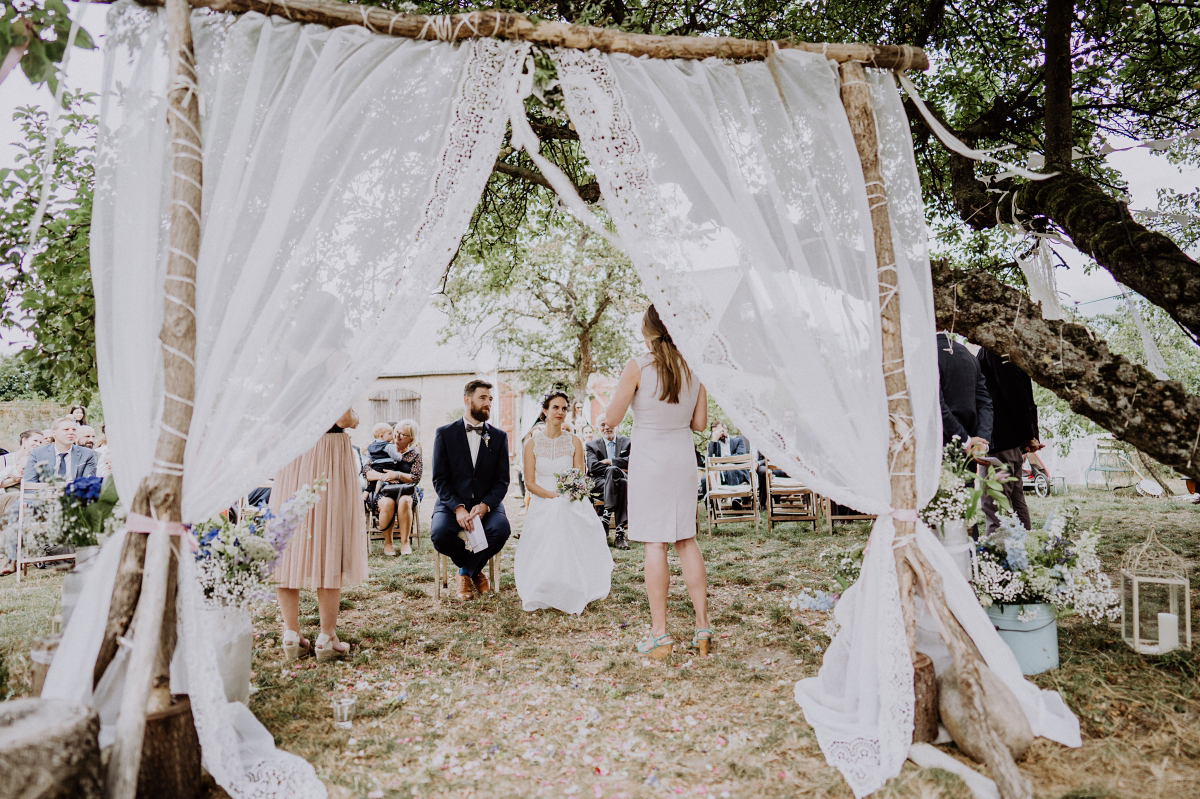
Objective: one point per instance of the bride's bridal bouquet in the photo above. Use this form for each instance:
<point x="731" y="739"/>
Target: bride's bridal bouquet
<point x="575" y="485"/>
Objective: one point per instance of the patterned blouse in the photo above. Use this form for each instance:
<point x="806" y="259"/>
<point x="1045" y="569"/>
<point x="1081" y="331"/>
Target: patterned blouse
<point x="412" y="456"/>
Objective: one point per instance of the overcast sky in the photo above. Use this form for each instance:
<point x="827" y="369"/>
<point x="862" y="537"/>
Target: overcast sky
<point x="1145" y="171"/>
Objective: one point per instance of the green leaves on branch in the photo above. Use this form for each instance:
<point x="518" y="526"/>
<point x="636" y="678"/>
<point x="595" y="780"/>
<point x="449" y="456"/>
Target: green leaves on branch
<point x="47" y="291"/>
<point x="40" y="30"/>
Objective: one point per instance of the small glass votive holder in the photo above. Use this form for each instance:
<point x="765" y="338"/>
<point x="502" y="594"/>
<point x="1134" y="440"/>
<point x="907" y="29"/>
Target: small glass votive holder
<point x="343" y="712"/>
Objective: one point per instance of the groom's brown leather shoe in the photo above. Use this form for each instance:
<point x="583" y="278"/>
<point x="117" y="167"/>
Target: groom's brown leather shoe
<point x="482" y="586"/>
<point x="464" y="588"/>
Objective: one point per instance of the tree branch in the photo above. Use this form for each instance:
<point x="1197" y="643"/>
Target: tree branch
<point x="589" y="192"/>
<point x="1156" y="416"/>
<point x="1057" y="36"/>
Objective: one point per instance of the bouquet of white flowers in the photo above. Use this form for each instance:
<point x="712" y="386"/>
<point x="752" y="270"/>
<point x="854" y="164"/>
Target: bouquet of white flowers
<point x="1056" y="565"/>
<point x="235" y="562"/>
<point x="960" y="491"/>
<point x="575" y="485"/>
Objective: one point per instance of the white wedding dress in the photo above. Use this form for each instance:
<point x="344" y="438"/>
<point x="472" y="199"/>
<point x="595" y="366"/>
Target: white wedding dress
<point x="562" y="559"/>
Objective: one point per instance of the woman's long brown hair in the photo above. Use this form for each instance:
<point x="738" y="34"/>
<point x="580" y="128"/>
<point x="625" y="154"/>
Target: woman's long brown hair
<point x="672" y="369"/>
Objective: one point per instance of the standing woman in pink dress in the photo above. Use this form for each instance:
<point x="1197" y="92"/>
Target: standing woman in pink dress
<point x="668" y="404"/>
<point x="329" y="551"/>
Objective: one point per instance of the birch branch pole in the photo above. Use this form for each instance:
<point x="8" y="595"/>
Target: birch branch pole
<point x="913" y="569"/>
<point x="509" y="25"/>
<point x="160" y="494"/>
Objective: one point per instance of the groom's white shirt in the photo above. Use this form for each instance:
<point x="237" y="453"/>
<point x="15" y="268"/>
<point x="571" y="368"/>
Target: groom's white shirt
<point x="473" y="439"/>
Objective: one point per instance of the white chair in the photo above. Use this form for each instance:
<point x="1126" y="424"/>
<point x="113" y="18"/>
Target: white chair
<point x="27" y="523"/>
<point x="731" y="503"/>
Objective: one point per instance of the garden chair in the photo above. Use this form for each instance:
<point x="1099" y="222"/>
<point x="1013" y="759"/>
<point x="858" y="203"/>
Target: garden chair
<point x="1110" y="460"/>
<point x="789" y="500"/>
<point x="34" y="494"/>
<point x="441" y="575"/>
<point x="841" y="513"/>
<point x="731" y="503"/>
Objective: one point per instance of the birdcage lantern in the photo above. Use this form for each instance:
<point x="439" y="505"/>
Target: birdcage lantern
<point x="1156" y="601"/>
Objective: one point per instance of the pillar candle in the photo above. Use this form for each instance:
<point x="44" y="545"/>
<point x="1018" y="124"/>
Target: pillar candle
<point x="1168" y="632"/>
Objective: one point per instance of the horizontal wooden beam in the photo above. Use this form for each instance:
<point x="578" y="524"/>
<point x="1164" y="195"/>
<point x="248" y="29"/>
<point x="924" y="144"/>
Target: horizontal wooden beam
<point x="508" y="25"/>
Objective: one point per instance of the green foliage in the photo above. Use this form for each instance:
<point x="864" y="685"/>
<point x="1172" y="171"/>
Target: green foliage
<point x="48" y="288"/>
<point x="42" y="28"/>
<point x="559" y="301"/>
<point x="20" y="381"/>
<point x="1180" y="353"/>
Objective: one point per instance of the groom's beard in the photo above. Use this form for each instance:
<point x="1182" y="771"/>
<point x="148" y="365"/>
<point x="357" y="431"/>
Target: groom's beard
<point x="480" y="414"/>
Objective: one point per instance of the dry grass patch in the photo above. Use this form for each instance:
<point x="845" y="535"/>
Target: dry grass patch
<point x="485" y="700"/>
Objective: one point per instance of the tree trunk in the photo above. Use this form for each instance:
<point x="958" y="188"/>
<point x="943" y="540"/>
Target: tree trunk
<point x="170" y="755"/>
<point x="925" y="700"/>
<point x="586" y="366"/>
<point x="1157" y="416"/>
<point x="49" y="749"/>
<point x="1057" y="36"/>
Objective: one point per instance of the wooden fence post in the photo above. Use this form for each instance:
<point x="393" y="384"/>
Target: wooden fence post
<point x="160" y="494"/>
<point x="912" y="567"/>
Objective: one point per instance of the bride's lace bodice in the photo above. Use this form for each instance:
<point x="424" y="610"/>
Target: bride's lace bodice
<point x="551" y="457"/>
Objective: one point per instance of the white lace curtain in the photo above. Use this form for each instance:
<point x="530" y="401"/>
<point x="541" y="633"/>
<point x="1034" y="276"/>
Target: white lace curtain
<point x="739" y="194"/>
<point x="341" y="169"/>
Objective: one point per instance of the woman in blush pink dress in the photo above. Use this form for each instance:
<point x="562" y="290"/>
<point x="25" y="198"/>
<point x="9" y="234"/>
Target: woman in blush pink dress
<point x="668" y="404"/>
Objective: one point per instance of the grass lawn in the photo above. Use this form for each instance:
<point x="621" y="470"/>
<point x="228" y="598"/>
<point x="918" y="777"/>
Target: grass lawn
<point x="486" y="700"/>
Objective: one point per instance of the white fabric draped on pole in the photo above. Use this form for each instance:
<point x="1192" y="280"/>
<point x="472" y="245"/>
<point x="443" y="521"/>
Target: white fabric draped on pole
<point x="739" y="194"/>
<point x="341" y="168"/>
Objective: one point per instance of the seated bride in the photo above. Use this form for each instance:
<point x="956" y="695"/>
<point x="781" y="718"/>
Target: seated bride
<point x="562" y="559"/>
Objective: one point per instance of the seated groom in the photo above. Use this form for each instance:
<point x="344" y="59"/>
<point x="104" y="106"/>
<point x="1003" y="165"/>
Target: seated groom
<point x="607" y="464"/>
<point x="470" y="475"/>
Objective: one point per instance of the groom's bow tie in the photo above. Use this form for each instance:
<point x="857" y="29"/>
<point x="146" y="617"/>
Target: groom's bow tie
<point x="475" y="428"/>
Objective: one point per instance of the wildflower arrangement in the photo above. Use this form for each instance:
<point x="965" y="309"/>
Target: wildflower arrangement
<point x="575" y="485"/>
<point x="845" y="563"/>
<point x="78" y="518"/>
<point x="235" y="562"/>
<point x="1056" y="565"/>
<point x="960" y="491"/>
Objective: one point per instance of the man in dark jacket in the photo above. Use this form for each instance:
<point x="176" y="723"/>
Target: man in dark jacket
<point x="1014" y="429"/>
<point x="966" y="404"/>
<point x="607" y="458"/>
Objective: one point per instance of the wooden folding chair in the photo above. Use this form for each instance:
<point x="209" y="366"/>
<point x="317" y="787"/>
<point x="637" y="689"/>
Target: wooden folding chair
<point x="847" y="515"/>
<point x="33" y="494"/>
<point x="441" y="574"/>
<point x="789" y="500"/>
<point x="722" y="501"/>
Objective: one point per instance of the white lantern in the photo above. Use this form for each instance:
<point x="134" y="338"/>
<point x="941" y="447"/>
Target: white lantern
<point x="1155" y="599"/>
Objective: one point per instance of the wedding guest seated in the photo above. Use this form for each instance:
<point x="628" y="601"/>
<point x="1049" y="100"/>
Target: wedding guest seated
<point x="86" y="437"/>
<point x="396" y="497"/>
<point x="607" y="464"/>
<point x="79" y="414"/>
<point x="62" y="457"/>
<point x="12" y="468"/>
<point x="724" y="445"/>
<point x="761" y="468"/>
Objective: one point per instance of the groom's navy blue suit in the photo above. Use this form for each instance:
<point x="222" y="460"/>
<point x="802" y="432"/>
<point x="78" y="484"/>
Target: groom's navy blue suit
<point x="459" y="482"/>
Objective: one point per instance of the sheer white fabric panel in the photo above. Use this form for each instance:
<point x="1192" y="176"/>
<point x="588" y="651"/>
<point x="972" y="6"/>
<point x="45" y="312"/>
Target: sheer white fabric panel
<point x="341" y="168"/>
<point x="738" y="191"/>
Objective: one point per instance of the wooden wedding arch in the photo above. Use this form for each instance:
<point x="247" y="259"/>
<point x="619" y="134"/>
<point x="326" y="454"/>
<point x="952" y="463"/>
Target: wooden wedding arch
<point x="148" y="569"/>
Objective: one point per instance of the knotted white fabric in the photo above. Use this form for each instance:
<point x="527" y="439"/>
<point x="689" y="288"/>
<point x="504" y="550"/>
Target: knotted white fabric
<point x="341" y="169"/>
<point x="738" y="192"/>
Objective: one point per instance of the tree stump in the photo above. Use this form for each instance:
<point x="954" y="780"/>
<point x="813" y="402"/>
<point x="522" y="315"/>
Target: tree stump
<point x="170" y="765"/>
<point x="1004" y="711"/>
<point x="925" y="696"/>
<point x="49" y="749"/>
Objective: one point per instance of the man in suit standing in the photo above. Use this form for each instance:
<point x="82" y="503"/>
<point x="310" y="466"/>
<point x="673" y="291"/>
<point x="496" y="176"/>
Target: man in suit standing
<point x="62" y="457"/>
<point x="1014" y="430"/>
<point x="607" y="463"/>
<point x="470" y="475"/>
<point x="966" y="403"/>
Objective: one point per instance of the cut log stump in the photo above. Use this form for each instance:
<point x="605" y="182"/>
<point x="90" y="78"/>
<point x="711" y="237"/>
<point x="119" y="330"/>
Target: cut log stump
<point x="925" y="695"/>
<point x="170" y="763"/>
<point x="49" y="749"/>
